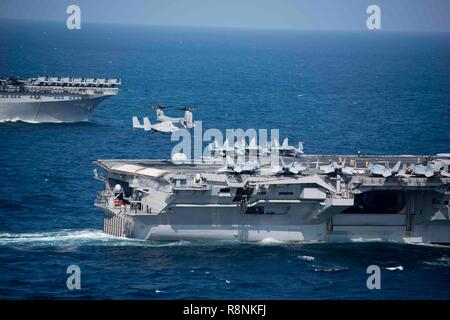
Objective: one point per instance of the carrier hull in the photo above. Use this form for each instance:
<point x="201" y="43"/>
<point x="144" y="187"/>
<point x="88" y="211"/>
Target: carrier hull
<point x="387" y="229"/>
<point x="47" y="110"/>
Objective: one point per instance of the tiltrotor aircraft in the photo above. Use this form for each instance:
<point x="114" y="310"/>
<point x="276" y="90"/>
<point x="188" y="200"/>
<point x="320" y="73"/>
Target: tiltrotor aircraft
<point x="165" y="123"/>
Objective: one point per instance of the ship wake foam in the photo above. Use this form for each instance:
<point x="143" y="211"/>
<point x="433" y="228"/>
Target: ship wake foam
<point x="89" y="237"/>
<point x="14" y="120"/>
<point x="270" y="241"/>
<point x="62" y="236"/>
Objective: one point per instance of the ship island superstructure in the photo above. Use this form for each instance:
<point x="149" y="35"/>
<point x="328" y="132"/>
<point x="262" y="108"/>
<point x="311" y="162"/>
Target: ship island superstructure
<point x="53" y="99"/>
<point x="164" y="200"/>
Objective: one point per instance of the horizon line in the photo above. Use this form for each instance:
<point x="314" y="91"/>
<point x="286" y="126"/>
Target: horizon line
<point x="276" y="29"/>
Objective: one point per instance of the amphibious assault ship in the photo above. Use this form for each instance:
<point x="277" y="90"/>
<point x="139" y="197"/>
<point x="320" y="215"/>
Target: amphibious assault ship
<point x="313" y="198"/>
<point x="53" y="99"/>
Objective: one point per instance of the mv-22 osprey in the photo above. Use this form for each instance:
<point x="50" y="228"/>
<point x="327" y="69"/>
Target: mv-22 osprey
<point x="165" y="123"/>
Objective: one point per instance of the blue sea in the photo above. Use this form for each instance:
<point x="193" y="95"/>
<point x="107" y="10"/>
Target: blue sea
<point x="382" y="92"/>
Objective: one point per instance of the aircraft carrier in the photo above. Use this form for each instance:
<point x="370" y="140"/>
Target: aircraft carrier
<point x="305" y="199"/>
<point x="53" y="99"/>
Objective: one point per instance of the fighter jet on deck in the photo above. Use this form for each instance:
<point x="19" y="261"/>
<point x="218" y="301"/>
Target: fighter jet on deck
<point x="428" y="170"/>
<point x="285" y="148"/>
<point x="335" y="167"/>
<point x="246" y="167"/>
<point x="378" y="170"/>
<point x="240" y="147"/>
<point x="253" y="148"/>
<point x="221" y="150"/>
<point x="293" y="168"/>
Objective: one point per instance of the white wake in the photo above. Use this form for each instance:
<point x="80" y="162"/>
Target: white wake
<point x="89" y="237"/>
<point x="62" y="236"/>
<point x="18" y="120"/>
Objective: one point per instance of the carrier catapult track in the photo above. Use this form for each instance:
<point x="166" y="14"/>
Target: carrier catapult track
<point x="161" y="200"/>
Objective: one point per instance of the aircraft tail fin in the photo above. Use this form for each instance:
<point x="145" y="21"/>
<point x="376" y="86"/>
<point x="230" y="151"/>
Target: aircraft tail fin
<point x="147" y="125"/>
<point x="188" y="118"/>
<point x="159" y="114"/>
<point x="274" y="143"/>
<point x="252" y="144"/>
<point x="396" y="168"/>
<point x="285" y="143"/>
<point x="136" y="123"/>
<point x="282" y="162"/>
<point x="226" y="144"/>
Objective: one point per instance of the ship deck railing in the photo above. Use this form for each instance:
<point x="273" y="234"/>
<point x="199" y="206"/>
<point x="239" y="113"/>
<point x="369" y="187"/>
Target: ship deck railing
<point x="103" y="203"/>
<point x="135" y="211"/>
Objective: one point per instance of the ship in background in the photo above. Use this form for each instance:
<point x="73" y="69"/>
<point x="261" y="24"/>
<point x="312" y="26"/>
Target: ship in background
<point x="53" y="99"/>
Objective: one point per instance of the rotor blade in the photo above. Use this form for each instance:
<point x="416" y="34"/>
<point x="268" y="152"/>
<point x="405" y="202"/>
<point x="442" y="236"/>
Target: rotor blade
<point x="186" y="108"/>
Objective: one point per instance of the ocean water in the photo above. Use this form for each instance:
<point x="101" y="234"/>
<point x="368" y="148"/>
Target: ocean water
<point x="339" y="92"/>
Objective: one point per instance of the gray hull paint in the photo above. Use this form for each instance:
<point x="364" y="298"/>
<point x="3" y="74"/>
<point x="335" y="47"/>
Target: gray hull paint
<point x="50" y="110"/>
<point x="229" y="224"/>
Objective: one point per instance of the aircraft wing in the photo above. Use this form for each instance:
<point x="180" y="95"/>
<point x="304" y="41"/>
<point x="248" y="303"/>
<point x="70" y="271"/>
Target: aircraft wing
<point x="164" y="127"/>
<point x="164" y="118"/>
<point x="327" y="169"/>
<point x="387" y="173"/>
<point x="429" y="173"/>
<point x="348" y="170"/>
